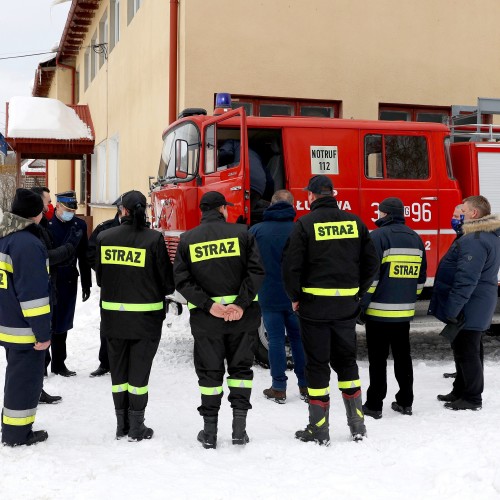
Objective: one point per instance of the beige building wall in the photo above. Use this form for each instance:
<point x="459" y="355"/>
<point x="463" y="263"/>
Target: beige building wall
<point x="358" y="52"/>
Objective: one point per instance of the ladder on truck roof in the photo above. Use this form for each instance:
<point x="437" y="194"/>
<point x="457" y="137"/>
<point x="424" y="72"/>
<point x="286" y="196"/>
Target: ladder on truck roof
<point x="462" y="124"/>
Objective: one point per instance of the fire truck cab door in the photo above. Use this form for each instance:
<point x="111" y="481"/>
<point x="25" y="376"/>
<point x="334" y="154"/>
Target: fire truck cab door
<point x="225" y="166"/>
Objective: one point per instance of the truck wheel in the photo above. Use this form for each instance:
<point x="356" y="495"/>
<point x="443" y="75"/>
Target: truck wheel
<point x="262" y="351"/>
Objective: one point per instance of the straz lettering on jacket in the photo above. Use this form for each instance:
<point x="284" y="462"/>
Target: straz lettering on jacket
<point x="230" y="247"/>
<point x="123" y="256"/>
<point x="399" y="270"/>
<point x="3" y="279"/>
<point x="335" y="230"/>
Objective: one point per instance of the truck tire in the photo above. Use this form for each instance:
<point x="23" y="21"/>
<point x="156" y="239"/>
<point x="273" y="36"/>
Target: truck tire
<point x="262" y="350"/>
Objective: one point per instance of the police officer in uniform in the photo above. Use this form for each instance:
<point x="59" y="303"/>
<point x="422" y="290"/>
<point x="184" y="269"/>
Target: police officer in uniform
<point x="103" y="367"/>
<point x="218" y="270"/>
<point x="135" y="273"/>
<point x="328" y="263"/>
<point x="24" y="316"/>
<point x="60" y="227"/>
<point x="389" y="306"/>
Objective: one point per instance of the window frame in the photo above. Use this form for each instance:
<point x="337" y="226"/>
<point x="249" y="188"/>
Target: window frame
<point x="413" y="110"/>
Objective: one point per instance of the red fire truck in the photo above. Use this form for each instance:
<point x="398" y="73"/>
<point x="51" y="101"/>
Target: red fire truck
<point x="366" y="160"/>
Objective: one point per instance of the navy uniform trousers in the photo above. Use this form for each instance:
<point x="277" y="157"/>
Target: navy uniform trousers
<point x="23" y="386"/>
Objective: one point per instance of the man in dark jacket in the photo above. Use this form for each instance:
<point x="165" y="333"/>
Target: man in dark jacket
<point x="103" y="367"/>
<point x="134" y="273"/>
<point x="24" y="316"/>
<point x="389" y="306"/>
<point x="60" y="255"/>
<point x="465" y="297"/>
<point x="218" y="270"/>
<point x="277" y="312"/>
<point x="329" y="262"/>
<point x="60" y="228"/>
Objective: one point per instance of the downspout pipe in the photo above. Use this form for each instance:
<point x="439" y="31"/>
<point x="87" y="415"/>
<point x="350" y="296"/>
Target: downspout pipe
<point x="172" y="73"/>
<point x="73" y="98"/>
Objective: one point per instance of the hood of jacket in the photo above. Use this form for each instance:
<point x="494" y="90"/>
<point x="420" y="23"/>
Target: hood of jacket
<point x="10" y="223"/>
<point x="327" y="201"/>
<point x="487" y="224"/>
<point x="390" y="219"/>
<point x="280" y="211"/>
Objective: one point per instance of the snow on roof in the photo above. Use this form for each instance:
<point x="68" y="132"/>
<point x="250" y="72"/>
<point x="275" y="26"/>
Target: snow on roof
<point x="43" y="118"/>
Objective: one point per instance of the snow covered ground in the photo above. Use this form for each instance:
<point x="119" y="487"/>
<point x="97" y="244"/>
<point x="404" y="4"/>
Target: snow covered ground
<point x="433" y="454"/>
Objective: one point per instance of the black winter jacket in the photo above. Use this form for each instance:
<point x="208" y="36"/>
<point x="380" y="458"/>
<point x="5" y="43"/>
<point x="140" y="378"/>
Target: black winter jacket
<point x="134" y="273"/>
<point x="401" y="251"/>
<point x="92" y="246"/>
<point x="329" y="262"/>
<point x="467" y="276"/>
<point x="217" y="259"/>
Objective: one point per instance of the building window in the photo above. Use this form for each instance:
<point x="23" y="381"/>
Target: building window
<point x="93" y="57"/>
<point x="396" y="157"/>
<point x="113" y="168"/>
<point x="115" y="24"/>
<point x="86" y="68"/>
<point x="268" y="106"/>
<point x="98" y="173"/>
<point x="133" y="7"/>
<point x="103" y="38"/>
<point x="412" y="113"/>
<point x="83" y="180"/>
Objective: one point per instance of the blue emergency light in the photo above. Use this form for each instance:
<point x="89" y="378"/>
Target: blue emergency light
<point x="223" y="100"/>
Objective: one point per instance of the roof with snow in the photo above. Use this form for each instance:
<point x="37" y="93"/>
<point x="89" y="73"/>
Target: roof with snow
<point x="39" y="127"/>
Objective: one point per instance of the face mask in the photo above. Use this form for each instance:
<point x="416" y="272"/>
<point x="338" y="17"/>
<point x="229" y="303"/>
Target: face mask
<point x="50" y="211"/>
<point x="67" y="216"/>
<point x="456" y="224"/>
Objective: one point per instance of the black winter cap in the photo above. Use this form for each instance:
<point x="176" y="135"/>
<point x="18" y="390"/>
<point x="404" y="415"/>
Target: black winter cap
<point x="26" y="203"/>
<point x="213" y="199"/>
<point x="392" y="206"/>
<point x="132" y="200"/>
<point x="320" y="184"/>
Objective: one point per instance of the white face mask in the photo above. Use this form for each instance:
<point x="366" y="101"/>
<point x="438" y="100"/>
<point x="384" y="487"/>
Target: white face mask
<point x="67" y="216"/>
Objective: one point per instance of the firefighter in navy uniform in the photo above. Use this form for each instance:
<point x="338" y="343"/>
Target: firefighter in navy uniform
<point x="218" y="270"/>
<point x="328" y="263"/>
<point x="60" y="227"/>
<point x="135" y="273"/>
<point x="389" y="306"/>
<point x="103" y="367"/>
<point x="24" y="316"/>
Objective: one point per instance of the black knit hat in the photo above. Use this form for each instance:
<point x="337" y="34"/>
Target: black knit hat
<point x="132" y="200"/>
<point x="26" y="203"/>
<point x="213" y="199"/>
<point x="319" y="184"/>
<point x="392" y="206"/>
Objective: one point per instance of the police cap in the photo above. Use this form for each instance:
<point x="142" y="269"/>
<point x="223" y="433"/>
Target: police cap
<point x="67" y="199"/>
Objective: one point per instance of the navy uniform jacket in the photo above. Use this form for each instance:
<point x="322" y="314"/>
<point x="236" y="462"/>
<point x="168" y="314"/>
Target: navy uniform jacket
<point x="92" y="247"/>
<point x="24" y="284"/>
<point x="467" y="276"/>
<point x="394" y="291"/>
<point x="67" y="274"/>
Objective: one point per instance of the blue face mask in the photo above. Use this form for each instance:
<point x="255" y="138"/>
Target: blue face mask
<point x="456" y="224"/>
<point x="67" y="216"/>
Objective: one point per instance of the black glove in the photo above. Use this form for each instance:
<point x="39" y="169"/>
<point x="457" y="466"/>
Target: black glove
<point x="453" y="326"/>
<point x="85" y="293"/>
<point x="74" y="236"/>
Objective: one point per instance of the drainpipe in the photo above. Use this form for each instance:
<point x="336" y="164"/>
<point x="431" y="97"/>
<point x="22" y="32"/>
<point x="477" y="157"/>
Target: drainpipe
<point x="73" y="79"/>
<point x="172" y="73"/>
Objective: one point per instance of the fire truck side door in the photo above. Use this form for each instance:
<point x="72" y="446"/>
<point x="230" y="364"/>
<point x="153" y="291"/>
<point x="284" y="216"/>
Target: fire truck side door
<point x="227" y="132"/>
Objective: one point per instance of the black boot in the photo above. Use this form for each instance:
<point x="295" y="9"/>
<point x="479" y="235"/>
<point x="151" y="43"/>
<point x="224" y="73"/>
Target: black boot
<point x="35" y="438"/>
<point x="208" y="436"/>
<point x="122" y="423"/>
<point x="318" y="429"/>
<point x="355" y="417"/>
<point x="240" y="435"/>
<point x="48" y="399"/>
<point x="138" y="431"/>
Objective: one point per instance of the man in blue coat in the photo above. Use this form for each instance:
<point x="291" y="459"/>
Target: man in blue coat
<point x="465" y="297"/>
<point x="67" y="277"/>
<point x="277" y="312"/>
<point x="24" y="316"/>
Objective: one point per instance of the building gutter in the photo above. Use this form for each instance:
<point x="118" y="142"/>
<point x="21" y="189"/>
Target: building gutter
<point x="172" y="73"/>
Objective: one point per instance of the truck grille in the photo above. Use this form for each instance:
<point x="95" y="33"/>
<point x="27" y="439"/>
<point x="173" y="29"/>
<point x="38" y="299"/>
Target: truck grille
<point x="172" y="243"/>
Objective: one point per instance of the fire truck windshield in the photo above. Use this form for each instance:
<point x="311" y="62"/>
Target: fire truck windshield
<point x="174" y="157"/>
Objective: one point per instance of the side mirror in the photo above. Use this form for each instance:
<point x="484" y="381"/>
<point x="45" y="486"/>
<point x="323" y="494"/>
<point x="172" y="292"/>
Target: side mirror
<point x="181" y="158"/>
